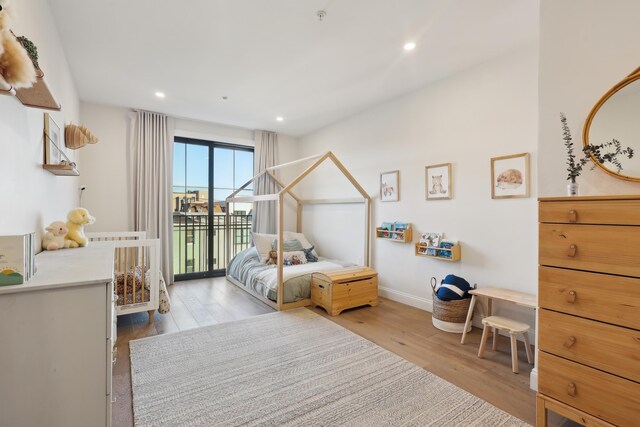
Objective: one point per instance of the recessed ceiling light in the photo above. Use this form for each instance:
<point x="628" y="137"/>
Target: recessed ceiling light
<point x="160" y="95"/>
<point x="409" y="46"/>
<point x="280" y="118"/>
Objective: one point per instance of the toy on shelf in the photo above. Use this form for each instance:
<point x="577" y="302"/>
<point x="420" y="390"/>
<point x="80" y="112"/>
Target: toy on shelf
<point x="76" y="220"/>
<point x="55" y="237"/>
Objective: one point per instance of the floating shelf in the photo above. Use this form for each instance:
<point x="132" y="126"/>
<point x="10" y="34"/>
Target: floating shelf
<point x="455" y="252"/>
<point x="62" y="170"/>
<point x="405" y="236"/>
<point x="37" y="96"/>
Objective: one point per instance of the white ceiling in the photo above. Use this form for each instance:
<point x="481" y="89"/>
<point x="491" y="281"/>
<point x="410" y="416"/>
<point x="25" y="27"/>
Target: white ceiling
<point x="274" y="57"/>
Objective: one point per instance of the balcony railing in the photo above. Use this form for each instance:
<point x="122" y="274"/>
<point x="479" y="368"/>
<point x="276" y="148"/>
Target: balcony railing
<point x="191" y="240"/>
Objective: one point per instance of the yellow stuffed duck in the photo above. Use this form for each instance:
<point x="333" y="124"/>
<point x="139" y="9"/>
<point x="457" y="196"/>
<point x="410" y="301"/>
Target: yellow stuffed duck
<point x="76" y="220"/>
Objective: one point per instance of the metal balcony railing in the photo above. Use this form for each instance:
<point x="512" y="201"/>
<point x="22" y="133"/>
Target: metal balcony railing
<point x="191" y="240"/>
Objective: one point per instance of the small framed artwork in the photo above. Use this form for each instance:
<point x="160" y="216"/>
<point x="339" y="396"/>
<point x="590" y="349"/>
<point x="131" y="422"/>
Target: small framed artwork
<point x="510" y="176"/>
<point x="437" y="180"/>
<point x="52" y="141"/>
<point x="390" y="186"/>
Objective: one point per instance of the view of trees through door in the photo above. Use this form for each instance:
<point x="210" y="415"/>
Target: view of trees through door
<point x="204" y="174"/>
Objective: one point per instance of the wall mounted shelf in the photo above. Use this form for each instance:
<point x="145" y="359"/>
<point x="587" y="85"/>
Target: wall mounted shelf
<point x="455" y="252"/>
<point x="405" y="236"/>
<point x="37" y="96"/>
<point x="62" y="170"/>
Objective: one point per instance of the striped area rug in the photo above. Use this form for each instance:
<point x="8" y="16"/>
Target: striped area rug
<point x="291" y="368"/>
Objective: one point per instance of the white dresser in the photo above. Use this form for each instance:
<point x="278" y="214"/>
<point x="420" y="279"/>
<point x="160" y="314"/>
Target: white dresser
<point x="57" y="335"/>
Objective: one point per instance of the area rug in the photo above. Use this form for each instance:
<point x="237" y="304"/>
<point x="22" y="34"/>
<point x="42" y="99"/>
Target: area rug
<point x="291" y="368"/>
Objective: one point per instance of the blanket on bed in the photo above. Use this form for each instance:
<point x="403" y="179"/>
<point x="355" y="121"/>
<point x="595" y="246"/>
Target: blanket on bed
<point x="263" y="278"/>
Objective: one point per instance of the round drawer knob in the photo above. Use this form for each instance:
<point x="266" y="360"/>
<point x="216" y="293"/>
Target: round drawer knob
<point x="570" y="342"/>
<point x="573" y="216"/>
<point x="571" y="389"/>
<point x="573" y="248"/>
<point x="571" y="297"/>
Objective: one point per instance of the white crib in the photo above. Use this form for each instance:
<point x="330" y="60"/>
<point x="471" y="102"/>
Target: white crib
<point x="136" y="270"/>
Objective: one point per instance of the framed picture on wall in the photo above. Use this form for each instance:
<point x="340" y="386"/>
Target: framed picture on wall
<point x="510" y="176"/>
<point x="390" y="186"/>
<point x="437" y="180"/>
<point x="52" y="141"/>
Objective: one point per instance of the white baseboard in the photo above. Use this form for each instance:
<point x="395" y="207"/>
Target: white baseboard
<point x="405" y="298"/>
<point x="533" y="379"/>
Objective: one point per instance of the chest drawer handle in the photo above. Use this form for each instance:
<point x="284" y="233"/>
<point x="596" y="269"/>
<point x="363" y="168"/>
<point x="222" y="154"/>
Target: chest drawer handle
<point x="571" y="297"/>
<point x="571" y="389"/>
<point x="570" y="342"/>
<point x="573" y="248"/>
<point x="573" y="216"/>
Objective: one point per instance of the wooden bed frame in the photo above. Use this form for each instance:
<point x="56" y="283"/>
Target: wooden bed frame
<point x="279" y="199"/>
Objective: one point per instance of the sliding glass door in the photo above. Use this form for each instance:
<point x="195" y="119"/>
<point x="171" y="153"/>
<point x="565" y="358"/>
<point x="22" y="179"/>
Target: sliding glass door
<point x="204" y="174"/>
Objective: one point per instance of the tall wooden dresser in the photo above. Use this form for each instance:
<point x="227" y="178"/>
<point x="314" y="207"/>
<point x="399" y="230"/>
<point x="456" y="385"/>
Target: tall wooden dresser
<point x="589" y="310"/>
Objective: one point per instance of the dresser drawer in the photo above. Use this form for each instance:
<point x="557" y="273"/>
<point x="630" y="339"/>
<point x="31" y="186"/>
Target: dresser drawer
<point x="606" y="347"/>
<point x="606" y="396"/>
<point x="600" y="248"/>
<point x="611" y="212"/>
<point x="611" y="299"/>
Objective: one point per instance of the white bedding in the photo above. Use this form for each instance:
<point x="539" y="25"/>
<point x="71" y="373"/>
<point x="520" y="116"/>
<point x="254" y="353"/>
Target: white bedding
<point x="270" y="277"/>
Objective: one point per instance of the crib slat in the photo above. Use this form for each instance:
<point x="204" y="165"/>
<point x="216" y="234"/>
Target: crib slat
<point x="125" y="277"/>
<point x="143" y="275"/>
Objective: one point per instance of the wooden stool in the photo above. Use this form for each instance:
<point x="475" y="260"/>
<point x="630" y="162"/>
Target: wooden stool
<point x="513" y="328"/>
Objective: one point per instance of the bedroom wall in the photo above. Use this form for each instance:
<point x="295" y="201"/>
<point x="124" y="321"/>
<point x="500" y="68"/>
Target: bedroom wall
<point x="32" y="197"/>
<point x="106" y="196"/>
<point x="585" y="49"/>
<point x="484" y="112"/>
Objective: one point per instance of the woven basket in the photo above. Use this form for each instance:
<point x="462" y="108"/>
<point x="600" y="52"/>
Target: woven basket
<point x="449" y="311"/>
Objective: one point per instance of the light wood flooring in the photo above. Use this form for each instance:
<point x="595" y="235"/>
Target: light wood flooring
<point x="399" y="328"/>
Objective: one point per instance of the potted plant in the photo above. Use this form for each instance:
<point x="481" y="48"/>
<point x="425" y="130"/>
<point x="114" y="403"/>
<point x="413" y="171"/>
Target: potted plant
<point x="598" y="153"/>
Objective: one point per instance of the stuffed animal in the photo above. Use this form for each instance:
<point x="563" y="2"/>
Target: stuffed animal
<point x="16" y="66"/>
<point x="76" y="220"/>
<point x="273" y="257"/>
<point x="295" y="260"/>
<point x="54" y="238"/>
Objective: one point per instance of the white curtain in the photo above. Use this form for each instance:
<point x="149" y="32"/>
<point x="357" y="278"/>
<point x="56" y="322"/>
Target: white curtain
<point x="151" y="174"/>
<point x="265" y="155"/>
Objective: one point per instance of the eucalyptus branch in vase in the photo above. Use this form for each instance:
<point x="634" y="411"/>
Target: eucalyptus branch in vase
<point x="599" y="153"/>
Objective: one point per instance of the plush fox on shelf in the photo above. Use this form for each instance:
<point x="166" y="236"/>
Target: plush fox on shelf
<point x="16" y="66"/>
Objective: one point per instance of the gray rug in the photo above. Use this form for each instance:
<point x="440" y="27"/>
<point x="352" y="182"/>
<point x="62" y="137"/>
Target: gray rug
<point x="291" y="368"/>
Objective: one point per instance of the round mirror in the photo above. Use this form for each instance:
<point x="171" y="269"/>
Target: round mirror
<point x="617" y="116"/>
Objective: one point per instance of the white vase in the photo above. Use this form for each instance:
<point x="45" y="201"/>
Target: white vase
<point x="572" y="189"/>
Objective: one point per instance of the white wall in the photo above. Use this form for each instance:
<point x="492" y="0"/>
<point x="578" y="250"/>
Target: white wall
<point x="487" y="111"/>
<point x="32" y="197"/>
<point x="586" y="47"/>
<point x="105" y="163"/>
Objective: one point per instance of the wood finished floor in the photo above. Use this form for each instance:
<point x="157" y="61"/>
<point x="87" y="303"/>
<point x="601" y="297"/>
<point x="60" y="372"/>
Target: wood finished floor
<point x="399" y="328"/>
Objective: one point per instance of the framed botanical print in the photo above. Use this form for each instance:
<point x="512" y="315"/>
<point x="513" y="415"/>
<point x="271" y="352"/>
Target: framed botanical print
<point x="390" y="186"/>
<point x="510" y="176"/>
<point x="52" y="141"/>
<point x="438" y="182"/>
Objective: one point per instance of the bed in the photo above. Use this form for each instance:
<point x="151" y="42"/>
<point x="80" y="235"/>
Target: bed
<point x="138" y="282"/>
<point x="258" y="280"/>
<point x="247" y="270"/>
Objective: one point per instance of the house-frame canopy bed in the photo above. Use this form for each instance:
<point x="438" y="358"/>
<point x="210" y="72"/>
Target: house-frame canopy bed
<point x="279" y="198"/>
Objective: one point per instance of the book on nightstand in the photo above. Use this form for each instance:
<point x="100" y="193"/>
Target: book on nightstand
<point x="17" y="258"/>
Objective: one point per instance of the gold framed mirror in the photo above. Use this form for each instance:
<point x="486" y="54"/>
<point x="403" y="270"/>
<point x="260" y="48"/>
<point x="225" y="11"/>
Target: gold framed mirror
<point x="617" y="116"/>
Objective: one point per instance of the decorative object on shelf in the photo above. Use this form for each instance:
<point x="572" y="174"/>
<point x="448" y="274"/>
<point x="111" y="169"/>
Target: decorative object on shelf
<point x="16" y="67"/>
<point x="446" y="250"/>
<point x="17" y="258"/>
<point x="510" y="176"/>
<point x="450" y="314"/>
<point x="76" y="136"/>
<point x="76" y="220"/>
<point x="590" y="152"/>
<point x="615" y="115"/>
<point x="428" y="243"/>
<point x="395" y="231"/>
<point x="438" y="182"/>
<point x="390" y="186"/>
<point x="52" y="137"/>
<point x="55" y="237"/>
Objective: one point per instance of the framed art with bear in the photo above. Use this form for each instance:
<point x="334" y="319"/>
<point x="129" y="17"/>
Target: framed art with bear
<point x="438" y="182"/>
